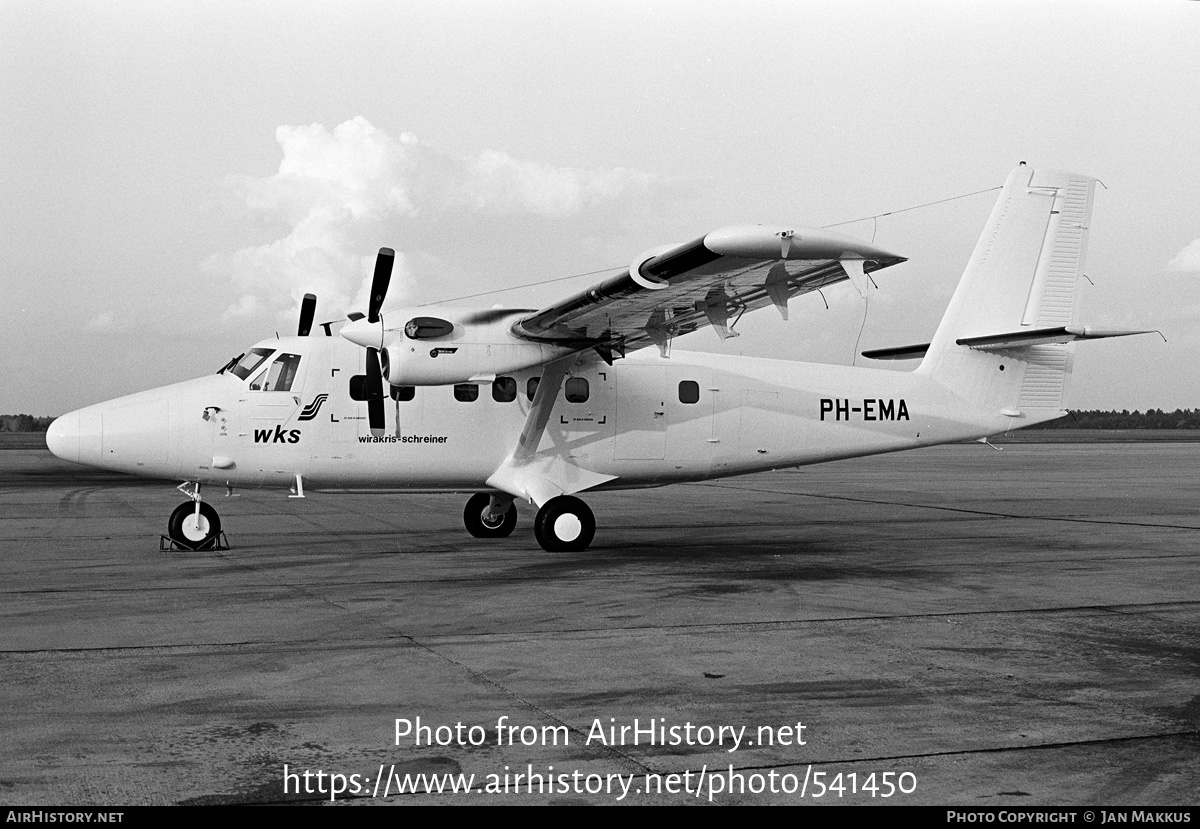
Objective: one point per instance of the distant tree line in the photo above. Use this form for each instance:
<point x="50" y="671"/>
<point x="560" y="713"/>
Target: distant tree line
<point x="1125" y="419"/>
<point x="24" y="423"/>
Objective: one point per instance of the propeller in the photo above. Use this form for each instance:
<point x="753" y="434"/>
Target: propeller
<point x="308" y="309"/>
<point x="374" y="382"/>
<point x="368" y="333"/>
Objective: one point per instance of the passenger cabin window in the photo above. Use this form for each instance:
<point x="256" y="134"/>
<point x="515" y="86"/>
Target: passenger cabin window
<point x="403" y="393"/>
<point x="577" y="390"/>
<point x="531" y="387"/>
<point x="280" y="376"/>
<point x="466" y="392"/>
<point x="248" y="362"/>
<point x="504" y="389"/>
<point x="689" y="391"/>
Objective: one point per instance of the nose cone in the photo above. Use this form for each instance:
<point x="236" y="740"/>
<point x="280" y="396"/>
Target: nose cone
<point x="62" y="438"/>
<point x="364" y="333"/>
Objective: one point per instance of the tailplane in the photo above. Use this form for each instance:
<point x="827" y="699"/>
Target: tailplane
<point x="1004" y="344"/>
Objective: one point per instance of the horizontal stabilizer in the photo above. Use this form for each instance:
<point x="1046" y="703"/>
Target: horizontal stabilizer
<point x="999" y="342"/>
<point x="903" y="352"/>
<point x="1042" y="336"/>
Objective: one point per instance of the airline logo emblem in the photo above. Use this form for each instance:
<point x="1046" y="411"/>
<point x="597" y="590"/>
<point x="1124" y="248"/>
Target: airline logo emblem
<point x="310" y="411"/>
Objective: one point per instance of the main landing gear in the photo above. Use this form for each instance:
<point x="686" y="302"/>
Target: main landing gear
<point x="563" y="524"/>
<point x="490" y="516"/>
<point x="195" y="525"/>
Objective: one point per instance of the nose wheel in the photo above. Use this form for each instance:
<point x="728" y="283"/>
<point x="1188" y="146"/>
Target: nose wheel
<point x="564" y="525"/>
<point x="195" y="530"/>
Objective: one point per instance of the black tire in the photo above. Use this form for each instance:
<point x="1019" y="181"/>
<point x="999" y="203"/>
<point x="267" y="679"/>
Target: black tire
<point x="479" y="526"/>
<point x="564" y="525"/>
<point x="184" y="529"/>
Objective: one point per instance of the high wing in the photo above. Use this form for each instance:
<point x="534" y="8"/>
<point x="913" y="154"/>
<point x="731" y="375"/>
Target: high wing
<point x="712" y="280"/>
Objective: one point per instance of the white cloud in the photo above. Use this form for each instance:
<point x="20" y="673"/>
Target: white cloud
<point x="1187" y="259"/>
<point x="101" y="322"/>
<point x="342" y="193"/>
<point x="499" y="183"/>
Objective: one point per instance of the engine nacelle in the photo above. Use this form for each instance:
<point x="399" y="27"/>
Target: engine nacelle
<point x="458" y="346"/>
<point x="425" y="363"/>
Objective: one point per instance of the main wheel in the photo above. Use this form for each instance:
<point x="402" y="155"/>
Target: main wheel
<point x="192" y="530"/>
<point x="564" y="525"/>
<point x="475" y="516"/>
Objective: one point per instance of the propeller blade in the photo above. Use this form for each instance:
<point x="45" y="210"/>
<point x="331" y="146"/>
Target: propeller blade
<point x="379" y="283"/>
<point x="374" y="389"/>
<point x="308" y="309"/>
<point x="375" y="414"/>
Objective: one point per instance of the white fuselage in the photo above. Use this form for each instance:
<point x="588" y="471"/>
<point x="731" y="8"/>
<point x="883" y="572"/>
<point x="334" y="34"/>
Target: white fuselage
<point x="638" y="423"/>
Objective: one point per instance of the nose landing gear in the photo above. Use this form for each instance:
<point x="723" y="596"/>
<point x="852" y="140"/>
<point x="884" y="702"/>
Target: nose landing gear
<point x="194" y="525"/>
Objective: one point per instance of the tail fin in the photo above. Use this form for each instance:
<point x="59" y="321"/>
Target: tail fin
<point x="1003" y="344"/>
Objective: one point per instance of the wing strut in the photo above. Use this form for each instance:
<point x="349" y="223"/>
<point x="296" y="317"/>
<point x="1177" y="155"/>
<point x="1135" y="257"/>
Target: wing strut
<point x="539" y="412"/>
<point x="538" y="478"/>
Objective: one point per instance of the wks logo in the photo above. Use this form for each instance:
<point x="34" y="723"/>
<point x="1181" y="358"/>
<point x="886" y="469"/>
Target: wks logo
<point x="310" y="411"/>
<point x="280" y="435"/>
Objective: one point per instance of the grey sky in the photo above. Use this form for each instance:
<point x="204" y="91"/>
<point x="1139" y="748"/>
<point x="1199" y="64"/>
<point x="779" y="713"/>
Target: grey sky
<point x="150" y="232"/>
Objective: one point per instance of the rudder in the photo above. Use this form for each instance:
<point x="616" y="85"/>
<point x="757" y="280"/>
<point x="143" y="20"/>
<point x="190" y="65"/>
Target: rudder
<point x="1020" y="282"/>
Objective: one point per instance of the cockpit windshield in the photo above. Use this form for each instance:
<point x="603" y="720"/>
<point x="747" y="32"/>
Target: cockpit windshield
<point x="242" y="366"/>
<point x="280" y="376"/>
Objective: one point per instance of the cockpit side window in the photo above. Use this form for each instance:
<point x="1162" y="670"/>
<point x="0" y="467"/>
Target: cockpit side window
<point x="250" y="361"/>
<point x="280" y="376"/>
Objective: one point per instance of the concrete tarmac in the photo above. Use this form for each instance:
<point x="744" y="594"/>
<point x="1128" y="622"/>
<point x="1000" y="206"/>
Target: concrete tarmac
<point x="962" y="626"/>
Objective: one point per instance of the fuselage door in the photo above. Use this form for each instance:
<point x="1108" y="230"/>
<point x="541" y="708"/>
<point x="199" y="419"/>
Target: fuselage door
<point x="690" y="404"/>
<point x="272" y="400"/>
<point x="641" y="427"/>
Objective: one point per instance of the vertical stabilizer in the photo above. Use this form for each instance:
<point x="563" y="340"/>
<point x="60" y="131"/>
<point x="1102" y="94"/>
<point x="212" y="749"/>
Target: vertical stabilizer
<point x="1022" y="278"/>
